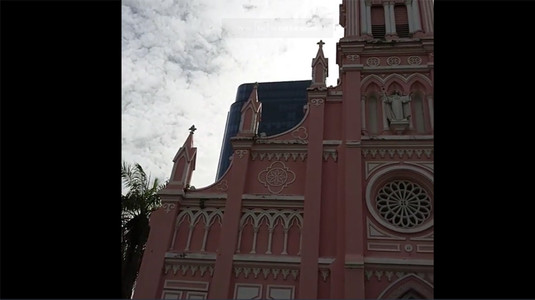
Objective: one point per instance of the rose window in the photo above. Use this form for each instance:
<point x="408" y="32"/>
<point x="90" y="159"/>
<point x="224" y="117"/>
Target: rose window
<point x="403" y="203"/>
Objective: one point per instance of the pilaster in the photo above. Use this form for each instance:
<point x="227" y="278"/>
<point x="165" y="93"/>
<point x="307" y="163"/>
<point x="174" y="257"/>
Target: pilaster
<point x="221" y="288"/>
<point x="308" y="283"/>
<point x="161" y="230"/>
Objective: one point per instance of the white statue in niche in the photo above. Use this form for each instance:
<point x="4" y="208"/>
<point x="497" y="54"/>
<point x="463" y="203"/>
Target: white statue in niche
<point x="398" y="109"/>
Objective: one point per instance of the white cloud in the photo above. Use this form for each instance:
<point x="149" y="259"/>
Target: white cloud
<point x="182" y="65"/>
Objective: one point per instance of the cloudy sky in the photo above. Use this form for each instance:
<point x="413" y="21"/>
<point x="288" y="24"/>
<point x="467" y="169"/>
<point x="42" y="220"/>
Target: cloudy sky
<point x="183" y="60"/>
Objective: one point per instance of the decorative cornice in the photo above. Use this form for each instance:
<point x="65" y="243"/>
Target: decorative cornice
<point x="261" y="155"/>
<point x="398" y="261"/>
<point x="265" y="272"/>
<point x="392" y="275"/>
<point x="282" y="142"/>
<point x="401" y="153"/>
<point x="186" y="267"/>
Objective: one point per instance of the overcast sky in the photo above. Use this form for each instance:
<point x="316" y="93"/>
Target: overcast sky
<point x="183" y="60"/>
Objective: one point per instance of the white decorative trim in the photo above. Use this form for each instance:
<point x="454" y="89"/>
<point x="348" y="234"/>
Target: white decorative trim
<point x="371" y="208"/>
<point x="276" y="177"/>
<point x="388" y="137"/>
<point x="414" y="60"/>
<point x="389" y="247"/>
<point x="375" y="233"/>
<point x="247" y="291"/>
<point x="393" y="61"/>
<point x="395" y="275"/>
<point x="186" y="285"/>
<point x="400" y="278"/>
<point x="330" y="153"/>
<point x="196" y="295"/>
<point x="352" y="57"/>
<point x="266" y="258"/>
<point x="427" y="165"/>
<point x="317" y="101"/>
<point x="398" y="261"/>
<point x="427" y="237"/>
<point x="265" y="272"/>
<point x="194" y="215"/>
<point x="272" y="291"/>
<point x="398" y="76"/>
<point x="324" y="273"/>
<point x="172" y="294"/>
<point x="278" y="155"/>
<point x="222" y="186"/>
<point x="373" y="61"/>
<point x="370" y="166"/>
<point x="422" y="248"/>
<point x="241" y="153"/>
<point x="273" y="217"/>
<point x="202" y="256"/>
<point x="273" y="197"/>
<point x="300" y="133"/>
<point x="281" y="142"/>
<point x="326" y="260"/>
<point x="184" y="267"/>
<point x="168" y="207"/>
<point x="332" y="142"/>
<point x="400" y="153"/>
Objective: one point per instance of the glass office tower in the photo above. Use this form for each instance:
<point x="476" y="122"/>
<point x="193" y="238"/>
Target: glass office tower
<point x="282" y="109"/>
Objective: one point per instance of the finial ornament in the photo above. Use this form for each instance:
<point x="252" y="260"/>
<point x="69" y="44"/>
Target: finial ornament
<point x="321" y="43"/>
<point x="192" y="129"/>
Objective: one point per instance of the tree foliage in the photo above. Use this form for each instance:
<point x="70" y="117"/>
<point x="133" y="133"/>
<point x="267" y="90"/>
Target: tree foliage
<point x="137" y="204"/>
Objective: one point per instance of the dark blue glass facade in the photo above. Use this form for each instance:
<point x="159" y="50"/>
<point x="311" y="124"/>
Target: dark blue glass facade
<point x="282" y="109"/>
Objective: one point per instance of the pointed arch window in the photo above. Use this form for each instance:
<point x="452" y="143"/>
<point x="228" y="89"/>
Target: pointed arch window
<point x="402" y="21"/>
<point x="378" y="22"/>
<point x="372" y="112"/>
<point x="418" y="107"/>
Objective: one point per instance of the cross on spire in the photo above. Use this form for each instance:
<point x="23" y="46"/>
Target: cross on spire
<point x="192" y="129"/>
<point x="321" y="43"/>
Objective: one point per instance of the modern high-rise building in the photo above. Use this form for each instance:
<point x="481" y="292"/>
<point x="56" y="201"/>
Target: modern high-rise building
<point x="339" y="206"/>
<point x="282" y="109"/>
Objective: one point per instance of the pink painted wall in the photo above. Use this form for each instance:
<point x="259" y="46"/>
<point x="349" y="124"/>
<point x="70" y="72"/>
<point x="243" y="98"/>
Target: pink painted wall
<point x="306" y="200"/>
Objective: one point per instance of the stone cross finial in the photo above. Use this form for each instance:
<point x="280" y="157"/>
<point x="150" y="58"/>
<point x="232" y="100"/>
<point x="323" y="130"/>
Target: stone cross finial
<point x="321" y="43"/>
<point x="192" y="129"/>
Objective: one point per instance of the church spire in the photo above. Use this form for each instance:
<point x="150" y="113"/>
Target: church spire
<point x="320" y="67"/>
<point x="250" y="114"/>
<point x="184" y="163"/>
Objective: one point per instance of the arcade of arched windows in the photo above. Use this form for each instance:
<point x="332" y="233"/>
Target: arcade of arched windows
<point x="197" y="230"/>
<point x="419" y="109"/>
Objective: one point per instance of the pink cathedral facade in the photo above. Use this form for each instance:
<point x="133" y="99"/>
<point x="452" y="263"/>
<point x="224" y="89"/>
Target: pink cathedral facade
<point x="340" y="206"/>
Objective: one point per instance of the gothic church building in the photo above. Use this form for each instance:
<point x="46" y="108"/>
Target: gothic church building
<point x="339" y="206"/>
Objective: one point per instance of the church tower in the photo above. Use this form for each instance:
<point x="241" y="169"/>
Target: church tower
<point x="340" y="206"/>
<point x="386" y="155"/>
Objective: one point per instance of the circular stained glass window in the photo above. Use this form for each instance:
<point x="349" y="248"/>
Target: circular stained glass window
<point x="403" y="204"/>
